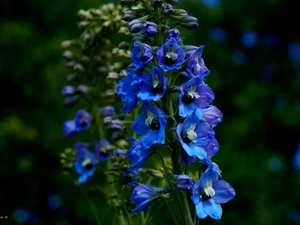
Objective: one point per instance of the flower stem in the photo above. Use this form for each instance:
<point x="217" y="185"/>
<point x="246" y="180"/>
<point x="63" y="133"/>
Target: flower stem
<point x="141" y="219"/>
<point x="187" y="212"/>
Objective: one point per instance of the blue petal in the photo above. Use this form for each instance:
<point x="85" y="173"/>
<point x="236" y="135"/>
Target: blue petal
<point x="148" y="139"/>
<point x="197" y="151"/>
<point x="196" y="199"/>
<point x="200" y="211"/>
<point x="139" y="126"/>
<point x="208" y="175"/>
<point x="224" y="192"/>
<point x="214" y="210"/>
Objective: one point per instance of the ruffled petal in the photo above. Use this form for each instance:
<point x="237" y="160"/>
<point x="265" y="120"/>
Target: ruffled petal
<point x="214" y="210"/>
<point x="224" y="192"/>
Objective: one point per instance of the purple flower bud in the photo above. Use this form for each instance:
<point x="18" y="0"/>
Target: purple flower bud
<point x="184" y="182"/>
<point x="115" y="125"/>
<point x="136" y="25"/>
<point x="78" y="67"/>
<point x="108" y="111"/>
<point x="150" y="29"/>
<point x="68" y="90"/>
<point x="69" y="128"/>
<point x="120" y="153"/>
<point x="167" y="10"/>
<point x="129" y="15"/>
<point x="174" y="33"/>
<point x="189" y="49"/>
<point x="189" y="22"/>
<point x="180" y="12"/>
<point x="157" y="3"/>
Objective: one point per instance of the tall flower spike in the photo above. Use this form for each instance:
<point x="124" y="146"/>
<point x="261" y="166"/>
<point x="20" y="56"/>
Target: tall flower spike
<point x="209" y="192"/>
<point x="151" y="125"/>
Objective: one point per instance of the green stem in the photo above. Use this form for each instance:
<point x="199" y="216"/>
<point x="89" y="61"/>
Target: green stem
<point x="91" y="205"/>
<point x="141" y="219"/>
<point x="188" y="217"/>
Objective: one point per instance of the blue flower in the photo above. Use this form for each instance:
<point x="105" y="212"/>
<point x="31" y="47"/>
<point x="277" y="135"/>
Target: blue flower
<point x="209" y="192"/>
<point x="194" y="94"/>
<point x="151" y="125"/>
<point x="85" y="164"/>
<point x="194" y="135"/>
<point x="152" y="86"/>
<point x="137" y="154"/>
<point x="141" y="54"/>
<point x="195" y="64"/>
<point x="128" y="89"/>
<point x="69" y="128"/>
<point x="102" y="150"/>
<point x="142" y="195"/>
<point x="82" y="120"/>
<point x="185" y="159"/>
<point x="170" y="56"/>
<point x="184" y="182"/>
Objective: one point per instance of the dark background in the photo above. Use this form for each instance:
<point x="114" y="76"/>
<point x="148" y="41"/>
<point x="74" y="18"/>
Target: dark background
<point x="252" y="49"/>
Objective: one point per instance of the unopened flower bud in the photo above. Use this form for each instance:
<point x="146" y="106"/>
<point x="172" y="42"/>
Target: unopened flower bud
<point x="167" y="10"/>
<point x="83" y="24"/>
<point x="189" y="49"/>
<point x="124" y="45"/>
<point x="70" y="64"/>
<point x="85" y="59"/>
<point x="108" y="111"/>
<point x="150" y="29"/>
<point x="68" y="55"/>
<point x="71" y="77"/>
<point x="129" y="15"/>
<point x="115" y="125"/>
<point x="67" y="44"/>
<point x="157" y="3"/>
<point x="112" y="76"/>
<point x="136" y="25"/>
<point x="68" y="90"/>
<point x="82" y="89"/>
<point x="189" y="22"/>
<point x="78" y="67"/>
<point x="184" y="182"/>
<point x="180" y="12"/>
<point x="71" y="100"/>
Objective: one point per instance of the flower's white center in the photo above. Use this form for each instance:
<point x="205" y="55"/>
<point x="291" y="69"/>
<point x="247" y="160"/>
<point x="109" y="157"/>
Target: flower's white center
<point x="208" y="189"/>
<point x="172" y="55"/>
<point x="192" y="92"/>
<point x="86" y="161"/>
<point x="155" y="81"/>
<point x="149" y="119"/>
<point x="191" y="134"/>
<point x="198" y="67"/>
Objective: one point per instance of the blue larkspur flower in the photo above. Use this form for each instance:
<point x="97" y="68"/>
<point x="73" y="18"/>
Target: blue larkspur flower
<point x="195" y="64"/>
<point x="137" y="154"/>
<point x="102" y="150"/>
<point x="183" y="181"/>
<point x="141" y="54"/>
<point x="150" y="124"/>
<point x="194" y="94"/>
<point x="128" y="89"/>
<point x="69" y="128"/>
<point x="152" y="86"/>
<point x="194" y="135"/>
<point x="82" y="120"/>
<point x="85" y="164"/>
<point x="143" y="195"/>
<point x="209" y="192"/>
<point x="170" y="56"/>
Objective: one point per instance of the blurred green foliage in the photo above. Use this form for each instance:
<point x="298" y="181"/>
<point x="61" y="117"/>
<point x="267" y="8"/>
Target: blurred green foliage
<point x="256" y="88"/>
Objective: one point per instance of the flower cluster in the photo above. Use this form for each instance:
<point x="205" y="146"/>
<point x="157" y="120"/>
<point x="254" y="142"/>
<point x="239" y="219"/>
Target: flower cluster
<point x="165" y="104"/>
<point x="163" y="67"/>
